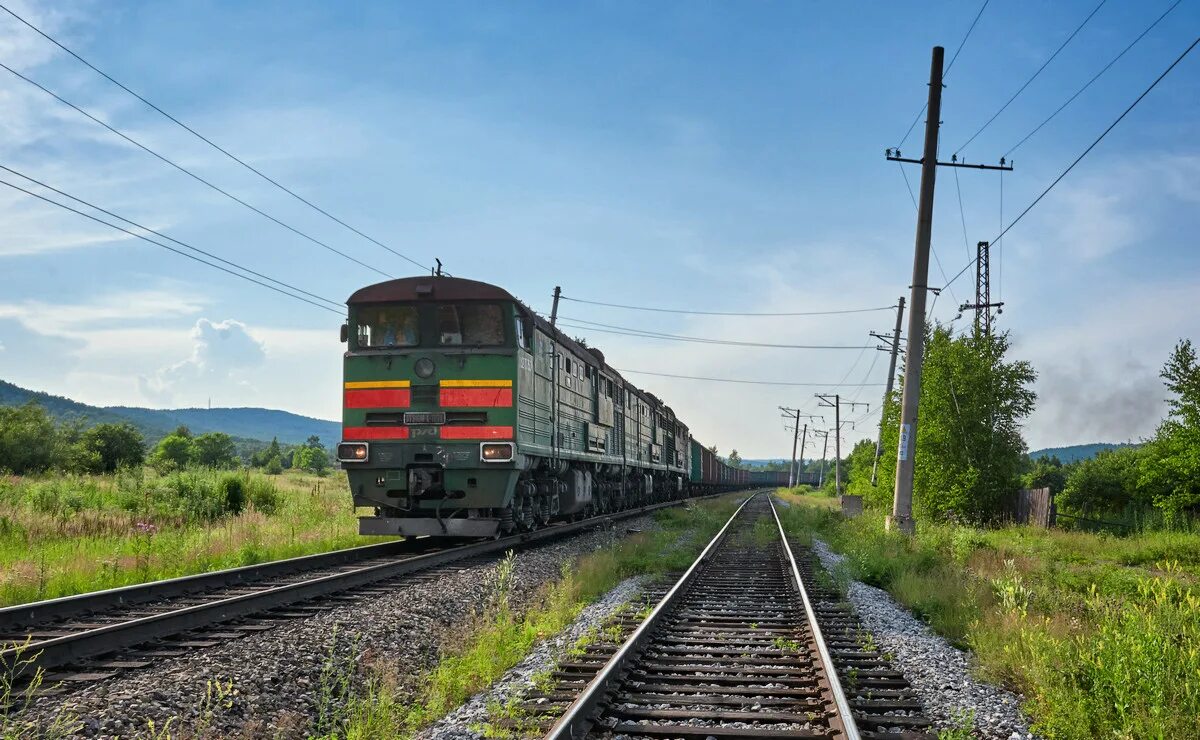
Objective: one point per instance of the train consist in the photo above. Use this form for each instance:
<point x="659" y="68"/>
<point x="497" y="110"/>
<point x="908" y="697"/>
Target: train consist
<point x="465" y="414"/>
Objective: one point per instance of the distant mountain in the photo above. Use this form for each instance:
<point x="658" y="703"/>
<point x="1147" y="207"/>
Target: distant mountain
<point x="1075" y="453"/>
<point x="246" y="424"/>
<point x="762" y="462"/>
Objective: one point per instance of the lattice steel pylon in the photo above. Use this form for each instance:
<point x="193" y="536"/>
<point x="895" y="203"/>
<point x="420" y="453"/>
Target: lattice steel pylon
<point x="983" y="291"/>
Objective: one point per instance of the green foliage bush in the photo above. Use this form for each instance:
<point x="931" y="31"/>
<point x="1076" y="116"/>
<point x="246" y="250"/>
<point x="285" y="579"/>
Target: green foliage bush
<point x="234" y="493"/>
<point x="29" y="440"/>
<point x="263" y="495"/>
<point x="106" y="447"/>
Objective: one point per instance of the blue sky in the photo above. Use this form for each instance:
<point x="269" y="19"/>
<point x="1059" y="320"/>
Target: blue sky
<point x="721" y="156"/>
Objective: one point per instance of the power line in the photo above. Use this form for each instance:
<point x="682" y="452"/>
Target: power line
<point x="936" y="259"/>
<point x="962" y="213"/>
<point x="1078" y="159"/>
<point x="168" y="248"/>
<point x="628" y="331"/>
<point x="966" y="36"/>
<point x="191" y="174"/>
<point x="1034" y="77"/>
<point x="961" y="44"/>
<point x="726" y="313"/>
<point x="731" y="380"/>
<point x="1094" y="78"/>
<point x="172" y="239"/>
<point x="206" y="140"/>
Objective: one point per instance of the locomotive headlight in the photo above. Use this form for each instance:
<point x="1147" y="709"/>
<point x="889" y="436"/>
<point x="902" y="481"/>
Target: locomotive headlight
<point x="352" y="452"/>
<point x="424" y="367"/>
<point x="496" y="451"/>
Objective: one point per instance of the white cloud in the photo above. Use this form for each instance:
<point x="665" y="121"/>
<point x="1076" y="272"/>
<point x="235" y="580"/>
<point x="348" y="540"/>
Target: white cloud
<point x="82" y="321"/>
<point x="222" y="352"/>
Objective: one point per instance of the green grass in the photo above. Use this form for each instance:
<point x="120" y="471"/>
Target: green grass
<point x="501" y="637"/>
<point x="1100" y="633"/>
<point x="67" y="534"/>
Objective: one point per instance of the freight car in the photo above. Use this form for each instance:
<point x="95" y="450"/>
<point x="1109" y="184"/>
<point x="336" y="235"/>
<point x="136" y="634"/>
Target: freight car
<point x="769" y="478"/>
<point x="465" y="414"/>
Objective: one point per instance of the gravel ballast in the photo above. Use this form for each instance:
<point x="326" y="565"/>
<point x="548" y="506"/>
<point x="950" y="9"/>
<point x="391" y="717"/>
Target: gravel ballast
<point x="938" y="672"/>
<point x="464" y="723"/>
<point x="275" y="678"/>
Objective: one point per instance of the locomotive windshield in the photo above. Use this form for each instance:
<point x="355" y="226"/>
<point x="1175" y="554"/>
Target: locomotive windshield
<point x="470" y="323"/>
<point x="389" y="326"/>
<point x="430" y="325"/>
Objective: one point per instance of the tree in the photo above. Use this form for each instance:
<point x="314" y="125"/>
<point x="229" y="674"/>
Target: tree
<point x="969" y="445"/>
<point x="29" y="441"/>
<point x="856" y="470"/>
<point x="214" y="450"/>
<point x="1104" y="484"/>
<point x="1170" y="463"/>
<point x="260" y="458"/>
<point x="311" y="457"/>
<point x="734" y="460"/>
<point x="106" y="447"/>
<point x="1046" y="472"/>
<point x="173" y="451"/>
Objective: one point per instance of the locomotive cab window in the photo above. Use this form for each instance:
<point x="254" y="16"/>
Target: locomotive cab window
<point x="389" y="326"/>
<point x="470" y="324"/>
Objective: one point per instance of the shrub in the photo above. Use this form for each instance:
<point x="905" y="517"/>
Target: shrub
<point x="197" y="496"/>
<point x="29" y="441"/>
<point x="106" y="447"/>
<point x="262" y="494"/>
<point x="233" y="494"/>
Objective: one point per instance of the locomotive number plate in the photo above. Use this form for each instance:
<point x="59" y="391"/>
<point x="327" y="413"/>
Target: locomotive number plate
<point x="424" y="417"/>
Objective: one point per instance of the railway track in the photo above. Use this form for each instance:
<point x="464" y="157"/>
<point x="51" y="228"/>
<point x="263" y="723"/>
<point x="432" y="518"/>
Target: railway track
<point x="734" y="649"/>
<point x="92" y="636"/>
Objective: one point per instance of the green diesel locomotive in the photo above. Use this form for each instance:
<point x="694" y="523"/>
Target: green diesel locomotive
<point x="465" y="414"/>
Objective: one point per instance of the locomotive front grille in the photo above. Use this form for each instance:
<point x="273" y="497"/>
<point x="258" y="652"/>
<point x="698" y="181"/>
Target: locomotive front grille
<point x="425" y="395"/>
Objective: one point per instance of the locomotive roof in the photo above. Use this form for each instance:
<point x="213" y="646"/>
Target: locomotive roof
<point x="429" y="287"/>
<point x="446" y="288"/>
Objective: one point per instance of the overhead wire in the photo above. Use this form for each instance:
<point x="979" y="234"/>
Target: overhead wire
<point x="167" y="247"/>
<point x="961" y="44"/>
<point x="937" y="260"/>
<point x="831" y="312"/>
<point x="1078" y="159"/>
<point x="1032" y="78"/>
<point x="206" y="140"/>
<point x="191" y="174"/>
<point x="171" y="239"/>
<point x="629" y="331"/>
<point x="729" y="380"/>
<point x="1095" y="77"/>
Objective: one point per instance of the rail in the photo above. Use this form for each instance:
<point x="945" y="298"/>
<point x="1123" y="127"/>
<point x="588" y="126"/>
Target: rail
<point x="94" y="641"/>
<point x="580" y="717"/>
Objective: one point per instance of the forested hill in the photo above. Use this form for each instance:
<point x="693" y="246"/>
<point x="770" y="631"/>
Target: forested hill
<point x="244" y="423"/>
<point x="1075" y="453"/>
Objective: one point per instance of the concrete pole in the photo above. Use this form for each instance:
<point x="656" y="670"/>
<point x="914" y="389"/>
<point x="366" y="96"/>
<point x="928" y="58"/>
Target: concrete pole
<point x="887" y="394"/>
<point x="554" y="308"/>
<point x="795" y="436"/>
<point x="837" y="444"/>
<point x="803" y="437"/>
<point x="824" y="451"/>
<point x="901" y="518"/>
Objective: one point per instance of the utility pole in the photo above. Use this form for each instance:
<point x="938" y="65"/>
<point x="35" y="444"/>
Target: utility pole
<point x="554" y="308"/>
<point x="887" y="394"/>
<point x="837" y="404"/>
<point x="793" y="473"/>
<point x="824" y="451"/>
<point x="901" y="517"/>
<point x="983" y="292"/>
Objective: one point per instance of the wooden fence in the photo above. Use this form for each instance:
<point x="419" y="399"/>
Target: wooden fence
<point x="1034" y="507"/>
